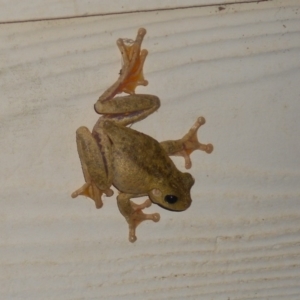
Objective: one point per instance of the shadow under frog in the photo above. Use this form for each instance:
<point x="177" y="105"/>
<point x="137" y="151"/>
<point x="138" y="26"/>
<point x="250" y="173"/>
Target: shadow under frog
<point x="133" y="162"/>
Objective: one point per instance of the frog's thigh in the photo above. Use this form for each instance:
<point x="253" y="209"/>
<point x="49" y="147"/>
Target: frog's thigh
<point x="95" y="165"/>
<point x="128" y="109"/>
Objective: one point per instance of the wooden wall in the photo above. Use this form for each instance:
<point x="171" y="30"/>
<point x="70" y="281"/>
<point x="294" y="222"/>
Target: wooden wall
<point x="238" y="65"/>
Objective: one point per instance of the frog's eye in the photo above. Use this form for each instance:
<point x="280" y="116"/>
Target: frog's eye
<point x="171" y="199"/>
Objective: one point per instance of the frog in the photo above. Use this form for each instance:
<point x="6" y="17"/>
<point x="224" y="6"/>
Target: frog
<point x="115" y="155"/>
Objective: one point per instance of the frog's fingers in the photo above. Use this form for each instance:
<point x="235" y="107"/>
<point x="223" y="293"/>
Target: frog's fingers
<point x="187" y="144"/>
<point x="133" y="213"/>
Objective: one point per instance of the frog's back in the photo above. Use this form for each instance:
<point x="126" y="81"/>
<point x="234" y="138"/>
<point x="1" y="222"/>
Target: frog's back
<point x="138" y="160"/>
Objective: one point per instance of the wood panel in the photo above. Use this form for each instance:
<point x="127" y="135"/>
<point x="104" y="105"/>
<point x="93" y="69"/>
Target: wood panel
<point x="20" y="10"/>
<point x="240" y="239"/>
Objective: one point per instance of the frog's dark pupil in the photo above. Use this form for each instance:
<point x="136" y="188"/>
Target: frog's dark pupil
<point x="171" y="199"/>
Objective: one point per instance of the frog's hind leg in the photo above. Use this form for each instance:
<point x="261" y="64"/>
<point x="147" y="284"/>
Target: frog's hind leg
<point x="131" y="74"/>
<point x="187" y="144"/>
<point x="127" y="110"/>
<point x="94" y="166"/>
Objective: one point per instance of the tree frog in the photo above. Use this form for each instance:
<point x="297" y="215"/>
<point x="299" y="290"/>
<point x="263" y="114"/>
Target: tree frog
<point x="114" y="154"/>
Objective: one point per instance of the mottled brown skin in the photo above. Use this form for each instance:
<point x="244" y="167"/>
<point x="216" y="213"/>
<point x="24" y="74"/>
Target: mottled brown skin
<point x="149" y="167"/>
<point x="134" y="163"/>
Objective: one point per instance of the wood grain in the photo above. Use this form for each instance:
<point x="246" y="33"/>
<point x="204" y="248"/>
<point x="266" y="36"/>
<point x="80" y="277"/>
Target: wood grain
<point x="239" y="68"/>
<point x="20" y="11"/>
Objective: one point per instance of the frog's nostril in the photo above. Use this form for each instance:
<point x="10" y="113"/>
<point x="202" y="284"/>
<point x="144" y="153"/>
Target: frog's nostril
<point x="171" y="199"/>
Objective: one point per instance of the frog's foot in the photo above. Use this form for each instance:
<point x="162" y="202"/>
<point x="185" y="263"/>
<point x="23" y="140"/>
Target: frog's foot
<point x="191" y="143"/>
<point x="90" y="190"/>
<point x="137" y="216"/>
<point x="131" y="74"/>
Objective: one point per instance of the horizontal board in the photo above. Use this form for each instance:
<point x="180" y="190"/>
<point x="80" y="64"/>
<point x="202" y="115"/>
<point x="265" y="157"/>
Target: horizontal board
<point x="240" y="69"/>
<point x="19" y="10"/>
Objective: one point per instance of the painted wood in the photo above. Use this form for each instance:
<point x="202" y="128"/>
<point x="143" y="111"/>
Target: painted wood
<point x="20" y="10"/>
<point x="240" y="239"/>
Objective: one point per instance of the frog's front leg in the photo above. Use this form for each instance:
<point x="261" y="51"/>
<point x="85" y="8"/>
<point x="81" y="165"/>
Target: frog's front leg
<point x="133" y="213"/>
<point x="187" y="144"/>
<point x="95" y="165"/>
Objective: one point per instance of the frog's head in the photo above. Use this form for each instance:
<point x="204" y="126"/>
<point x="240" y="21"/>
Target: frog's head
<point x="174" y="193"/>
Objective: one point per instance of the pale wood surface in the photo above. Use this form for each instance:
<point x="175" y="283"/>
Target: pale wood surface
<point x="22" y="10"/>
<point x="239" y="68"/>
